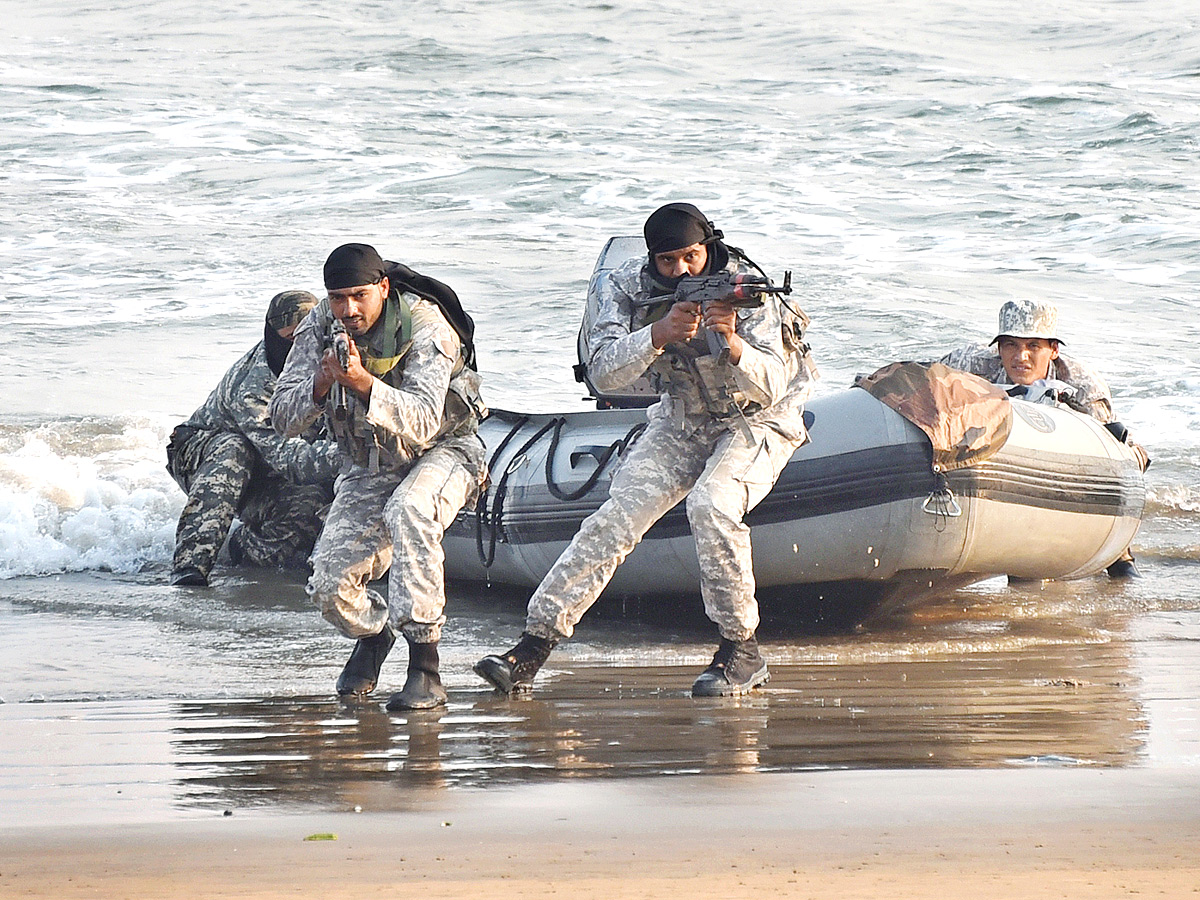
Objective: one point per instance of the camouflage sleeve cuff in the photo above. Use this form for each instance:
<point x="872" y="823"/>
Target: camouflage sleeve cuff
<point x="755" y="373"/>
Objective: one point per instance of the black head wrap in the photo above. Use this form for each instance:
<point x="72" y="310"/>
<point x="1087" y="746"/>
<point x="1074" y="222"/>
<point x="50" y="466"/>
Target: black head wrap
<point x="678" y="225"/>
<point x="351" y="265"/>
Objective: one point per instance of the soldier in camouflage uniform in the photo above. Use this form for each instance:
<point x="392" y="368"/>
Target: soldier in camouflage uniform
<point x="1025" y="354"/>
<point x="720" y="436"/>
<point x="405" y="412"/>
<point x="232" y="464"/>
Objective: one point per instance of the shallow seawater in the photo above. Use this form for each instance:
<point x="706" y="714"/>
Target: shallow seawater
<point x="128" y="700"/>
<point x="167" y="167"/>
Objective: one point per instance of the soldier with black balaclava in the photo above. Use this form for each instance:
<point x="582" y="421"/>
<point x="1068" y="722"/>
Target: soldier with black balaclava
<point x="233" y="465"/>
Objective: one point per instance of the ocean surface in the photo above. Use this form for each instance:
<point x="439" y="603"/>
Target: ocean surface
<point x="166" y="167"/>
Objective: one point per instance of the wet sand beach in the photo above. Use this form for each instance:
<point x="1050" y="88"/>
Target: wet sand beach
<point x="1002" y="742"/>
<point x="898" y="834"/>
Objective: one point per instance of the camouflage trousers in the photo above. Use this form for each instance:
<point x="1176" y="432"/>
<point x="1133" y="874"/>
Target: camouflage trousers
<point x="723" y="474"/>
<point x="225" y="479"/>
<point x="396" y="520"/>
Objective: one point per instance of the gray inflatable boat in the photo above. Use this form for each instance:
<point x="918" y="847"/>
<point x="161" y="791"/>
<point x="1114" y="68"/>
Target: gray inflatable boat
<point x="869" y="509"/>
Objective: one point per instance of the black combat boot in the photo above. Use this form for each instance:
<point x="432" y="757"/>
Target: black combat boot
<point x="361" y="672"/>
<point x="188" y="576"/>
<point x="423" y="687"/>
<point x="1125" y="567"/>
<point x="736" y="669"/>
<point x="513" y="672"/>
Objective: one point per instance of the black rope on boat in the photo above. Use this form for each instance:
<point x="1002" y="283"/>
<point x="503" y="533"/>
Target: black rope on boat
<point x="630" y="436"/>
<point x="616" y="448"/>
<point x="557" y="492"/>
<point x="489" y="556"/>
<point x="481" y="504"/>
<point x="495" y="516"/>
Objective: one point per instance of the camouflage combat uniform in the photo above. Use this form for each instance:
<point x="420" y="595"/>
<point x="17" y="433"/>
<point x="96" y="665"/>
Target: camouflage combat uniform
<point x="720" y="436"/>
<point x="1091" y="394"/>
<point x="414" y="460"/>
<point x="232" y="464"/>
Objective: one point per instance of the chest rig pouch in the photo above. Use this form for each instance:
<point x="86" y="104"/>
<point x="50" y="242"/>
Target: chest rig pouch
<point x="385" y="357"/>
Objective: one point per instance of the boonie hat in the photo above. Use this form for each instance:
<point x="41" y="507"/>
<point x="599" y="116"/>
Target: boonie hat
<point x="289" y="308"/>
<point x="1028" y="319"/>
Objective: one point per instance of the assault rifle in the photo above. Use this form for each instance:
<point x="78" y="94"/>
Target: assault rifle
<point x="737" y="289"/>
<point x="340" y="341"/>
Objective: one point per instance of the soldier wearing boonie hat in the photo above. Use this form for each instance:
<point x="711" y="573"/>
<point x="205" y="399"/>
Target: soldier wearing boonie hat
<point x="233" y="465"/>
<point x="1025" y="351"/>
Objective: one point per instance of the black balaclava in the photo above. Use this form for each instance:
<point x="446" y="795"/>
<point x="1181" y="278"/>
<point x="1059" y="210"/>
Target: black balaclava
<point x="286" y="308"/>
<point x="679" y="225"/>
<point x="351" y="265"/>
<point x="277" y="349"/>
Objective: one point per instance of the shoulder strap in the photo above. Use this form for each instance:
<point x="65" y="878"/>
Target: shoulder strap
<point x="397" y="336"/>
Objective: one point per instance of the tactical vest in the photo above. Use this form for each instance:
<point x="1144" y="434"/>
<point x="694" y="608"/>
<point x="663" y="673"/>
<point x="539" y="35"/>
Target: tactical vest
<point x="385" y="358"/>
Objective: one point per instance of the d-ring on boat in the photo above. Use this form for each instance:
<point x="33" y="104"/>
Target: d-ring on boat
<point x="917" y="480"/>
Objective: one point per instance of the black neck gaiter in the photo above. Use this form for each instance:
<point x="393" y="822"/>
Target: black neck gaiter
<point x="277" y="349"/>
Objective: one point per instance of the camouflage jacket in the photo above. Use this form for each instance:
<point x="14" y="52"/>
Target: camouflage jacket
<point x="240" y="404"/>
<point x="429" y="395"/>
<point x="768" y="385"/>
<point x="1091" y="393"/>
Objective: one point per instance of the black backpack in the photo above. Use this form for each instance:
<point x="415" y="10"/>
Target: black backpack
<point x="403" y="278"/>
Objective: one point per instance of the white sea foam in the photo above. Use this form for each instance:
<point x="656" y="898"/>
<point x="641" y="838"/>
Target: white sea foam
<point x="78" y="495"/>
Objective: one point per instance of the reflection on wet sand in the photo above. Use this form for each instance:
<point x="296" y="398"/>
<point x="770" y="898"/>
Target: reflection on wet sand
<point x="1070" y="705"/>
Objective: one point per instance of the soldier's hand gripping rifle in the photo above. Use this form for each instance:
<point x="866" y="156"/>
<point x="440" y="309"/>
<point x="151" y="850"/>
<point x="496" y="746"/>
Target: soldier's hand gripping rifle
<point x="340" y="341"/>
<point x="740" y="290"/>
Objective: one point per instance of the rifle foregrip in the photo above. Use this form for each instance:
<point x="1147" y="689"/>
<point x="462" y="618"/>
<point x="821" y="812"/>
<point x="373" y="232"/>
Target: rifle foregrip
<point x="718" y="346"/>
